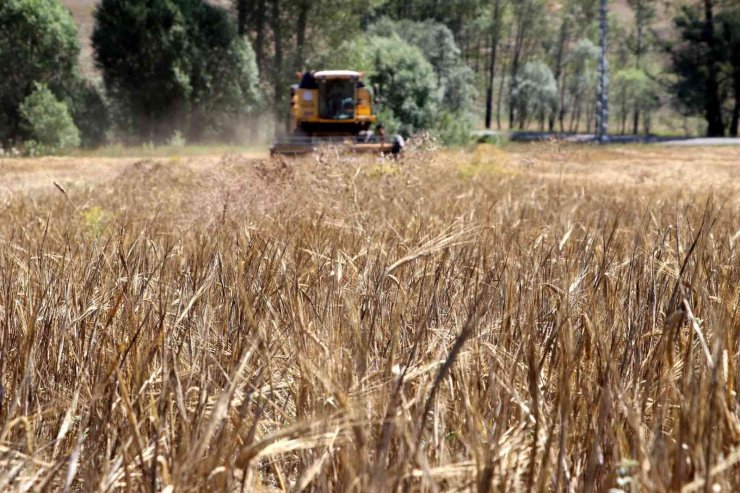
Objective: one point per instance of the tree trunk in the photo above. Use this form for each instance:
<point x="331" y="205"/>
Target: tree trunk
<point x="518" y="43"/>
<point x="562" y="41"/>
<point x="492" y="61"/>
<point x="639" y="21"/>
<point x="624" y="116"/>
<point x="636" y="120"/>
<point x="259" y="43"/>
<point x="464" y="44"/>
<point x="576" y="120"/>
<point x="736" y="110"/>
<point x="523" y="118"/>
<point x="562" y="109"/>
<point x="277" y="33"/>
<point x="715" y="127"/>
<point x="477" y="55"/>
<point x="242" y="10"/>
<point x="303" y="9"/>
<point x="499" y="98"/>
<point x="522" y="24"/>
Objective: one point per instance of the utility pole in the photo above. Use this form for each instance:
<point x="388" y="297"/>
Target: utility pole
<point x="602" y="106"/>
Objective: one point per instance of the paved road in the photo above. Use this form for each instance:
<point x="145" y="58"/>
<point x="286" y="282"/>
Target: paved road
<point x="613" y="139"/>
<point x="704" y="142"/>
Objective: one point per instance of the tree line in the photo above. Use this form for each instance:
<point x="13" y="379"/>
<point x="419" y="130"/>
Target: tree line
<point x="189" y="70"/>
<point x="533" y="63"/>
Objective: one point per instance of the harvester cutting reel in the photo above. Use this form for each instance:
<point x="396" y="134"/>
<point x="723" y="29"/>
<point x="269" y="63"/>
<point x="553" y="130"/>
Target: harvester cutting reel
<point x="296" y="144"/>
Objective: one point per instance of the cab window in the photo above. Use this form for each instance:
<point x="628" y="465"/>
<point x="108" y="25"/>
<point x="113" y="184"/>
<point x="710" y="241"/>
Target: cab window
<point x="337" y="99"/>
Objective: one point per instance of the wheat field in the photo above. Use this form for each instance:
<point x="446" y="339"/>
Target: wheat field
<point x="536" y="319"/>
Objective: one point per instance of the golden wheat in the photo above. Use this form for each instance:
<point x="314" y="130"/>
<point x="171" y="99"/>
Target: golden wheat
<point x="332" y="324"/>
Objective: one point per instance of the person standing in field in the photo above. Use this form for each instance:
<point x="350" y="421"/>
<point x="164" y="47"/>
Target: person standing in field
<point x="381" y="132"/>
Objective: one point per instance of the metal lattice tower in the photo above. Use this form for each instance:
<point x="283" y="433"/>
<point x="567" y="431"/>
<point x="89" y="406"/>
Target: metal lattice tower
<point x="602" y="106"/>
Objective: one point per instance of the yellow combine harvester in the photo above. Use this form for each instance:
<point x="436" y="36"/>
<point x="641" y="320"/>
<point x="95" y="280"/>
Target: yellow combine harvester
<point x="333" y="107"/>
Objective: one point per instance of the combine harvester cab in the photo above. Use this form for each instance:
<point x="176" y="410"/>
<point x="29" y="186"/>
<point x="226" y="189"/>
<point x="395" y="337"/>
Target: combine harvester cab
<point x="333" y="107"/>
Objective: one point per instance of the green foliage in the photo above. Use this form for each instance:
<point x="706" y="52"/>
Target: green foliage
<point x="729" y="34"/>
<point x="582" y="62"/>
<point x="438" y="45"/>
<point x="223" y="76"/>
<point x="337" y="20"/>
<point x="634" y="85"/>
<point x="389" y="120"/>
<point x="728" y="31"/>
<point x="38" y="44"/>
<point x="645" y="12"/>
<point x="433" y="39"/>
<point x="407" y="82"/>
<point x="456" y="14"/>
<point x="535" y="93"/>
<point x="632" y="88"/>
<point x="91" y="114"/>
<point x="140" y="48"/>
<point x="453" y="128"/>
<point x="174" y="65"/>
<point x="48" y="121"/>
<point x="688" y="57"/>
<point x="706" y="63"/>
<point x="424" y="85"/>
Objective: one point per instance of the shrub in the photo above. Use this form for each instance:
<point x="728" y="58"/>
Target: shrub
<point x="38" y="43"/>
<point x="48" y="121"/>
<point x="453" y="129"/>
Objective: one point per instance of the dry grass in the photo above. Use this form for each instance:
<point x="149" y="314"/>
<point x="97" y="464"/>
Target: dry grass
<point x="495" y="322"/>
